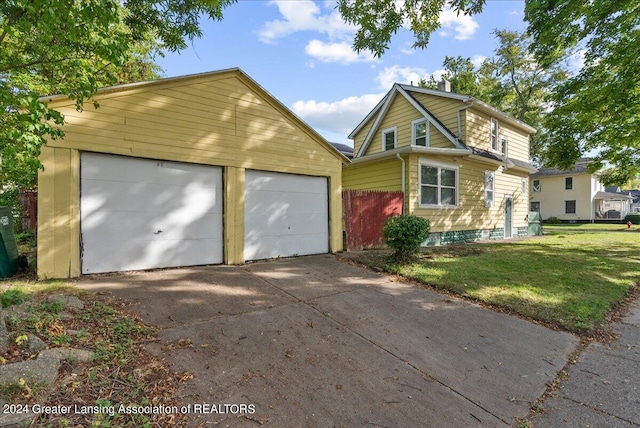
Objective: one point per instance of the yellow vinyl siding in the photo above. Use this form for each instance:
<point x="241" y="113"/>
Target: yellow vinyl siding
<point x="479" y="134"/>
<point x="58" y="223"/>
<point x="443" y="108"/>
<point x="400" y="114"/>
<point x="381" y="175"/>
<point x="471" y="212"/>
<point x="221" y="119"/>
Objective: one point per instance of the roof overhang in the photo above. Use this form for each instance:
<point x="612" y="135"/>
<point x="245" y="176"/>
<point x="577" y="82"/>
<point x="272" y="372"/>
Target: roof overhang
<point x="612" y="196"/>
<point x="388" y="154"/>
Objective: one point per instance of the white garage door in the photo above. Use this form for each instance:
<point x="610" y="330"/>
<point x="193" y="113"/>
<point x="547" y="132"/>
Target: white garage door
<point x="285" y="215"/>
<point x="144" y="214"/>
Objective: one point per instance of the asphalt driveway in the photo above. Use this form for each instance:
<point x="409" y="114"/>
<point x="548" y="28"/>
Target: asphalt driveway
<point x="314" y="341"/>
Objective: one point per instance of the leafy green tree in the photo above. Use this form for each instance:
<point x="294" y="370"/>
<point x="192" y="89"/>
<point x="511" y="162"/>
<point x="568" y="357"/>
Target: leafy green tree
<point x="378" y="20"/>
<point x="73" y="48"/>
<point x="511" y="81"/>
<point x="597" y="109"/>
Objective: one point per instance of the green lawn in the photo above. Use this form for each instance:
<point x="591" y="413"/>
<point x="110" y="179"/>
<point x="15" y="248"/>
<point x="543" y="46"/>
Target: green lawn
<point x="571" y="277"/>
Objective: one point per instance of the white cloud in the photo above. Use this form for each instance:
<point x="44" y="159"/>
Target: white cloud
<point x="516" y="12"/>
<point x="336" y="52"/>
<point x="338" y="117"/>
<point x="477" y="60"/>
<point x="303" y="15"/>
<point x="396" y="74"/>
<point x="463" y="25"/>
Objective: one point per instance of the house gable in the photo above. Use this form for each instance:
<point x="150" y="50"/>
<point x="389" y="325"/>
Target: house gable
<point x="203" y="118"/>
<point x="399" y="108"/>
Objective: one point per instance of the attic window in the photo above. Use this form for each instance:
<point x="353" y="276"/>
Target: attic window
<point x="389" y="139"/>
<point x="494" y="134"/>
<point x="420" y="133"/>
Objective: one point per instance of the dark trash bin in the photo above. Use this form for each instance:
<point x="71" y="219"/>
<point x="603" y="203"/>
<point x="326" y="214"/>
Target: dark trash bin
<point x="8" y="247"/>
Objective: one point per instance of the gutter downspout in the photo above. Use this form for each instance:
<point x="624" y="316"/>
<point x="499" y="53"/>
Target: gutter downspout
<point x="403" y="181"/>
<point x="464" y="107"/>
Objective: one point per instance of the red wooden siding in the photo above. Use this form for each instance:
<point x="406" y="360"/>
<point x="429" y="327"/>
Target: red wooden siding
<point x="364" y="213"/>
<point x="28" y="209"/>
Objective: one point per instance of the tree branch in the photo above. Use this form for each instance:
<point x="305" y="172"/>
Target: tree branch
<point x="12" y="19"/>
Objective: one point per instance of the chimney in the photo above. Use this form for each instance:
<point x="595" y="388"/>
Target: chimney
<point x="444" y="85"/>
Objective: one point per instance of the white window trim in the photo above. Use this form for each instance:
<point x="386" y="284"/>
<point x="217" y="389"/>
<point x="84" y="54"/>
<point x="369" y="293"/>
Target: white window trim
<point x="445" y="165"/>
<point x="533" y="186"/>
<point x="489" y="203"/>
<point x="576" y="206"/>
<point x="413" y="131"/>
<point x="503" y="144"/>
<point x="393" y="129"/>
<point x="573" y="182"/>
<point x="491" y="121"/>
<point x="525" y="186"/>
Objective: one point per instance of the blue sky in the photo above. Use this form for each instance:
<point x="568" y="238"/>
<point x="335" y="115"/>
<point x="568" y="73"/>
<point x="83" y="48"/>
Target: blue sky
<point x="300" y="52"/>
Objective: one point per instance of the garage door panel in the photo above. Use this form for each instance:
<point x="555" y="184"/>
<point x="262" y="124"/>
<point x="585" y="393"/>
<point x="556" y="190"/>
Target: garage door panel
<point x="141" y="197"/>
<point x="290" y="224"/>
<point x="260" y="201"/>
<point x="141" y="214"/>
<point x="267" y="247"/>
<point x="122" y="226"/>
<point x="285" y="215"/>
<point x="134" y="170"/>
<point x="139" y="255"/>
<point x="278" y="182"/>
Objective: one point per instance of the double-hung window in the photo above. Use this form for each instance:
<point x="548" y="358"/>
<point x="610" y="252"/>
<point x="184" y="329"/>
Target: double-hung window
<point x="389" y="138"/>
<point x="569" y="207"/>
<point x="420" y="133"/>
<point x="438" y="184"/>
<point x="568" y="183"/>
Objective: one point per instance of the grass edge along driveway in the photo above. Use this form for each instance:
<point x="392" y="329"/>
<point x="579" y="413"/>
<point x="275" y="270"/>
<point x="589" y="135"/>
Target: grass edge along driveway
<point x="571" y="278"/>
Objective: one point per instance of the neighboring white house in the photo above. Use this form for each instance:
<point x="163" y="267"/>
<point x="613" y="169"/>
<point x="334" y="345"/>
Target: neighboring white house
<point x="575" y="195"/>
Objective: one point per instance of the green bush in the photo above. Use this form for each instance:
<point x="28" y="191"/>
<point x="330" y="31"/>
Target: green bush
<point x="553" y="220"/>
<point x="634" y="218"/>
<point x="405" y="233"/>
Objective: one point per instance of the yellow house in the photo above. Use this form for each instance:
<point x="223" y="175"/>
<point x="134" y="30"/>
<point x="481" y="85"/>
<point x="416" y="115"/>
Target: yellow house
<point x="460" y="162"/>
<point x="193" y="170"/>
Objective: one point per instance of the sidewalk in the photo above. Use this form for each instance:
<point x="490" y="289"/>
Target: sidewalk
<point x="603" y="387"/>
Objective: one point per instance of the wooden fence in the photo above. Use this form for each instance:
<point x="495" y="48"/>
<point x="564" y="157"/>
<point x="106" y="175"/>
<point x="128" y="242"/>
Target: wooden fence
<point x="364" y="213"/>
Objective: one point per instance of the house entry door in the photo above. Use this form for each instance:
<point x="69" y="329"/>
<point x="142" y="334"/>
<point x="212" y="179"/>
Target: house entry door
<point x="508" y="216"/>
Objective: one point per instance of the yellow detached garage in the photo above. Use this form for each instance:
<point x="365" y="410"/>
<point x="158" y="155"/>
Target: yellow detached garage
<point x="201" y="169"/>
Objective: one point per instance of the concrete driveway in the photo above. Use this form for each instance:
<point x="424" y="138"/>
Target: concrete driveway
<point x="314" y="341"/>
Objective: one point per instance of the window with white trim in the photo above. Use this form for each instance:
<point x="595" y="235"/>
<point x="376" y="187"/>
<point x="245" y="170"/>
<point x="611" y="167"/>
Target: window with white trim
<point x="489" y="188"/>
<point x="568" y="183"/>
<point x="420" y="132"/>
<point x="494" y="134"/>
<point x="569" y="207"/>
<point x="524" y="185"/>
<point x="535" y="186"/>
<point x="389" y="138"/>
<point x="438" y="184"/>
<point x="503" y="144"/>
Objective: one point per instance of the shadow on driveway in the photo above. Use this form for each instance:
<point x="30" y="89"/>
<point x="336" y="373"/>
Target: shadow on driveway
<point x="314" y="341"/>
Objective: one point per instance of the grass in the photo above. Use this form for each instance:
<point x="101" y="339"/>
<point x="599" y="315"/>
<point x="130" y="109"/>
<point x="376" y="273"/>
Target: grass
<point x="572" y="277"/>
